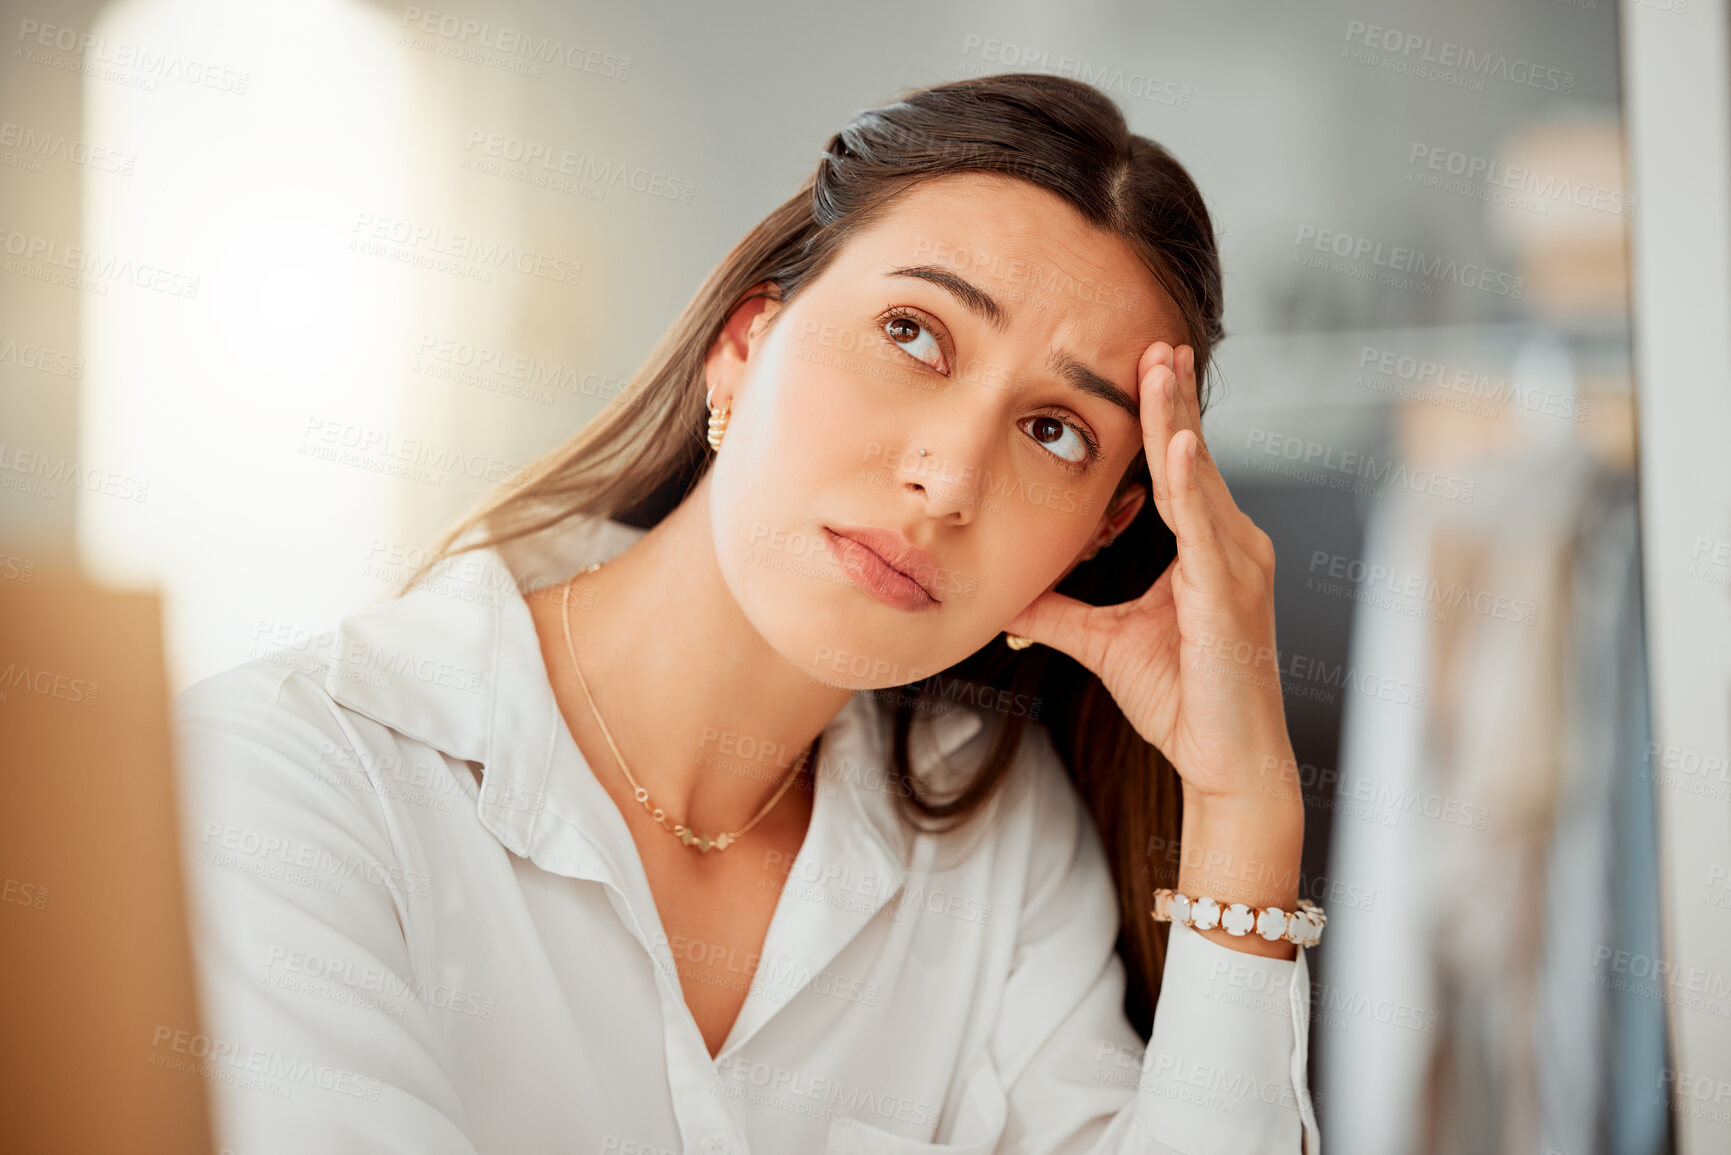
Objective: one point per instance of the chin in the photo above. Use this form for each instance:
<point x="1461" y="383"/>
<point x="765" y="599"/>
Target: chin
<point x="839" y="640"/>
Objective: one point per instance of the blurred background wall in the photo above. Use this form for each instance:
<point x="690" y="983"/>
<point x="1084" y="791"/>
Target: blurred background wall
<point x="289" y="287"/>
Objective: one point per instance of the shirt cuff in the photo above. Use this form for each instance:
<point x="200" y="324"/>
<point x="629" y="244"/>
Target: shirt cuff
<point x="1225" y="1070"/>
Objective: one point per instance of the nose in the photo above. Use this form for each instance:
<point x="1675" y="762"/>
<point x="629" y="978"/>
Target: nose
<point x="951" y="476"/>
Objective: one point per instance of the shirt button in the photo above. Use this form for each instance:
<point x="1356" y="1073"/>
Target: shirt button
<point x="717" y="1143"/>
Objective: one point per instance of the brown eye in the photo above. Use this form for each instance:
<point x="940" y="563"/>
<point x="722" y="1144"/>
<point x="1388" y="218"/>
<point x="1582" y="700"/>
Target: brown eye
<point x="916" y="340"/>
<point x="1050" y="432"/>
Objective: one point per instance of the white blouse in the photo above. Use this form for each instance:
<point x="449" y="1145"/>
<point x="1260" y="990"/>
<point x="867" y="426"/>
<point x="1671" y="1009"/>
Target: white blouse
<point x="396" y="957"/>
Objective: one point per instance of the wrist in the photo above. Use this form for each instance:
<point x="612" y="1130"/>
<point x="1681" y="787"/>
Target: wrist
<point x="1243" y="848"/>
<point x="1258" y="775"/>
<point x="1272" y="798"/>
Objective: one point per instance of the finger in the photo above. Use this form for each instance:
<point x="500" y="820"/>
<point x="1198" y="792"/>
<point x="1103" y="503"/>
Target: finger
<point x="1195" y="522"/>
<point x="1189" y="416"/>
<point x="1236" y="525"/>
<point x="1060" y="621"/>
<point x="1170" y="374"/>
<point x="1157" y="380"/>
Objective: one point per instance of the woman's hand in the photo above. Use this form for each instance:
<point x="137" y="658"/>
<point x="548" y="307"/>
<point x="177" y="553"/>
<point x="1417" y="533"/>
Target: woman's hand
<point x="1192" y="662"/>
<point x="1192" y="665"/>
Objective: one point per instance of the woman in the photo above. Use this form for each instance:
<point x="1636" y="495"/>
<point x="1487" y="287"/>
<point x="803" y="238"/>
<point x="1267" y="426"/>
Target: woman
<point x="743" y="779"/>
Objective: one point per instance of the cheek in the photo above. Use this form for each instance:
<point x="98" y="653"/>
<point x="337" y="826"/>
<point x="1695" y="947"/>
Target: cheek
<point x="1026" y="546"/>
<point x="807" y="424"/>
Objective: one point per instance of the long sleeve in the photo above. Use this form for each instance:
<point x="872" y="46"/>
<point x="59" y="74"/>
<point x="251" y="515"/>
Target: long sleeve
<point x="1224" y="1071"/>
<point x="314" y="1037"/>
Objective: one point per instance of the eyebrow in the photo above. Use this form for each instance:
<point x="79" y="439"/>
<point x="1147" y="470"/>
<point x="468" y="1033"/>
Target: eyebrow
<point x="978" y="301"/>
<point x="1088" y="381"/>
<point x="983" y="304"/>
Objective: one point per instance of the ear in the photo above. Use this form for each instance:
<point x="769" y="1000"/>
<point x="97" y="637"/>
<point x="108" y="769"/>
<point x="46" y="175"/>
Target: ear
<point x="1121" y="514"/>
<point x="724" y="366"/>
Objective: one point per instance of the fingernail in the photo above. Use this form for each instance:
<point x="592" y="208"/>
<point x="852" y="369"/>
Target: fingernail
<point x="1190" y="449"/>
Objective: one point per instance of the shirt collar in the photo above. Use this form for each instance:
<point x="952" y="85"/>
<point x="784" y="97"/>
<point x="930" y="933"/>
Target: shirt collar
<point x="456" y="664"/>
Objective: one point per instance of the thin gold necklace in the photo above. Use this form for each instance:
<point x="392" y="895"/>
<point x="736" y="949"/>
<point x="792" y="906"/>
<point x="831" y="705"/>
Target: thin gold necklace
<point x="683" y="832"/>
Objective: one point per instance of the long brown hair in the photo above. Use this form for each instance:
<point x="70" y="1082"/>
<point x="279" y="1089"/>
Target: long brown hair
<point x="639" y="458"/>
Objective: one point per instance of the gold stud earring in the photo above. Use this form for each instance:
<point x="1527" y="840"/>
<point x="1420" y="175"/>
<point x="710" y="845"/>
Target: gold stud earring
<point x="717" y="419"/>
<point x="1017" y="641"/>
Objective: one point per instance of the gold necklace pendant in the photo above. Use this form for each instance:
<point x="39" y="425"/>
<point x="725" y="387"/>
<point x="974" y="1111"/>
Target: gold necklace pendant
<point x="691" y="838"/>
<point x="683" y="832"/>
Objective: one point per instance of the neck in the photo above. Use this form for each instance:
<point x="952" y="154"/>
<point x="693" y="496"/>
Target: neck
<point x="710" y="719"/>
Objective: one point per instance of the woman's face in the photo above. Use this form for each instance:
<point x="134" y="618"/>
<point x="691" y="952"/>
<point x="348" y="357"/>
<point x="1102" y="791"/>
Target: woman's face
<point x="982" y="321"/>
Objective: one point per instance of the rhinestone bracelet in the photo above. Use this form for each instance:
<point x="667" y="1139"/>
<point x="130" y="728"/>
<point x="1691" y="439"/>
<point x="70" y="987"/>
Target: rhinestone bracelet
<point x="1302" y="926"/>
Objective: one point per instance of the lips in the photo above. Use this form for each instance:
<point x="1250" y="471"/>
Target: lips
<point x="886" y="565"/>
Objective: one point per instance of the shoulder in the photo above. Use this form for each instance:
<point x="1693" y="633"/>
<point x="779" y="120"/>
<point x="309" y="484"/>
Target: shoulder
<point x="270" y="707"/>
<point x="265" y="746"/>
<point x="264" y="705"/>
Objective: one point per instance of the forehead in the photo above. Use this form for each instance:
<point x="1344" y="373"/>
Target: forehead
<point x="1056" y="275"/>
